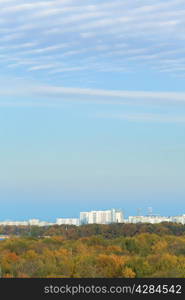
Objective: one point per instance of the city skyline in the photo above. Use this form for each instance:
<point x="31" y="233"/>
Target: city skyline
<point x="121" y="215"/>
<point x="92" y="106"/>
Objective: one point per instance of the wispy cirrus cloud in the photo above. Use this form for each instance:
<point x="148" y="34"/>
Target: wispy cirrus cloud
<point x="95" y="29"/>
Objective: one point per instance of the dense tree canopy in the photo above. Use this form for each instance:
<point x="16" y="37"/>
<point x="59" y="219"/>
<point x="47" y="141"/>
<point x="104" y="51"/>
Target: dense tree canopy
<point x="115" y="250"/>
<point x="106" y="231"/>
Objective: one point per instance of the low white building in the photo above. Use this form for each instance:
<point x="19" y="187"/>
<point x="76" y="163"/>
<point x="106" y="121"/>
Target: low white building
<point x="33" y="222"/>
<point x="68" y="221"/>
<point x="14" y="223"/>
<point x="37" y="222"/>
<point x="147" y="219"/>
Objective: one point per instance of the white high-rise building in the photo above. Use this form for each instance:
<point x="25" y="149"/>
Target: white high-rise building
<point x="84" y="217"/>
<point x="119" y="216"/>
<point x="101" y="217"/>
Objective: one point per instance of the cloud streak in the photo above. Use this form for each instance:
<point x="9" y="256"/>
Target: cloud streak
<point x="147" y="117"/>
<point x="143" y="95"/>
<point x="55" y="97"/>
<point x="59" y="92"/>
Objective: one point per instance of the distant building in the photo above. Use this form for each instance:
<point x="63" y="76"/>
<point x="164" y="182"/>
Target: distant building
<point x="147" y="219"/>
<point x="68" y="221"/>
<point x="101" y="217"/>
<point x="178" y="219"/>
<point x="118" y="216"/>
<point x="34" y="222"/>
<point x="14" y="223"/>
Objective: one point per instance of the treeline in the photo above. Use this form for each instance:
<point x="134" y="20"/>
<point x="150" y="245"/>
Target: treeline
<point x="106" y="231"/>
<point x="137" y="255"/>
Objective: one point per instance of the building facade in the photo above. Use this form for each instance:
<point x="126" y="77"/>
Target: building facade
<point x="101" y="217"/>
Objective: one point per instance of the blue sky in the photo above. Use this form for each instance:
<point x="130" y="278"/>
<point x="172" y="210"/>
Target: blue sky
<point x="92" y="107"/>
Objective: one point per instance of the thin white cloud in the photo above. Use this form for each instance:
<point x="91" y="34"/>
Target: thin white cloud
<point x="59" y="91"/>
<point x="56" y="91"/>
<point x="147" y="117"/>
<point x="12" y="37"/>
<point x="42" y="67"/>
<point x="72" y="69"/>
<point x="26" y="6"/>
<point x="55" y="97"/>
<point x="46" y="49"/>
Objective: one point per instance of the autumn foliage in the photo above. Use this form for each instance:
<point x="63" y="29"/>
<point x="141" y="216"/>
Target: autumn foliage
<point x="95" y="251"/>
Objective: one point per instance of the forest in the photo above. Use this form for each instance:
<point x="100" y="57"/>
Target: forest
<point x="93" y="251"/>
